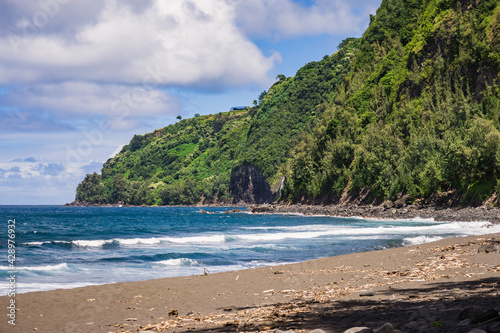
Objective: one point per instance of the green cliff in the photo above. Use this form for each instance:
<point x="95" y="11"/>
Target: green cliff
<point x="418" y="115"/>
<point x="411" y="110"/>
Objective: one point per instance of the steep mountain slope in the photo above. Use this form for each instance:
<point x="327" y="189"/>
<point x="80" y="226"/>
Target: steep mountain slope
<point x="232" y="156"/>
<point x="284" y="112"/>
<point x="179" y="164"/>
<point x="417" y="116"/>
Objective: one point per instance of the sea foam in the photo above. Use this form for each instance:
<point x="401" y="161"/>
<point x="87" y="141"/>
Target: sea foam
<point x="177" y="262"/>
<point x="420" y="240"/>
<point x="46" y="268"/>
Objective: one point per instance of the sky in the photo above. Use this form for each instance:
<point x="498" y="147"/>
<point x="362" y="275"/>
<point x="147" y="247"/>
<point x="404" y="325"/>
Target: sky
<point x="78" y="78"/>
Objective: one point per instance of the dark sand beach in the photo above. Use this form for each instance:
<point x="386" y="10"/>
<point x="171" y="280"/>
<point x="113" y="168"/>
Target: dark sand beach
<point x="417" y="289"/>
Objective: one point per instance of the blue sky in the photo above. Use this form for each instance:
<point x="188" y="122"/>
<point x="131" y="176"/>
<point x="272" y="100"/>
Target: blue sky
<point x="78" y="78"/>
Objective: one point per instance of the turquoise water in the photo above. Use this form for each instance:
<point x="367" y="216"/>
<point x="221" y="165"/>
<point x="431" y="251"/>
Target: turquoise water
<point x="67" y="247"/>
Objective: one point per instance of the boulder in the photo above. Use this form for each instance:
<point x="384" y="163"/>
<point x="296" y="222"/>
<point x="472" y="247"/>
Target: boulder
<point x="233" y="211"/>
<point x="260" y="209"/>
<point x="486" y="316"/>
<point x="386" y="328"/>
<point x="471" y="312"/>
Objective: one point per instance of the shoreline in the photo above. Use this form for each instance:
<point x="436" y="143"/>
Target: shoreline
<point x="389" y="211"/>
<point x="441" y="214"/>
<point x="287" y="296"/>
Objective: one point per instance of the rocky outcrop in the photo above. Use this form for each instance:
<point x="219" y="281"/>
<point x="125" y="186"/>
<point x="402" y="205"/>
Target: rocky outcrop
<point x="249" y="185"/>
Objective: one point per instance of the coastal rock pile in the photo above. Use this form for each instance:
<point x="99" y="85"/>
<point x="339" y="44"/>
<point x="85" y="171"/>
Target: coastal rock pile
<point x="387" y="211"/>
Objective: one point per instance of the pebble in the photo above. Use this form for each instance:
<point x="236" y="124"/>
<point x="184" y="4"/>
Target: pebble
<point x="359" y="330"/>
<point x="368" y="293"/>
<point x="317" y="331"/>
<point x="280" y="331"/>
<point x="386" y="328"/>
<point x="431" y="330"/>
<point x="477" y="331"/>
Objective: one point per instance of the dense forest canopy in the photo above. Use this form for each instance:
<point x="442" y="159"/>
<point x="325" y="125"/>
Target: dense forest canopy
<point x="411" y="110"/>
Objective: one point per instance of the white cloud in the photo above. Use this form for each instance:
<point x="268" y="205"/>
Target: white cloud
<point x="81" y="77"/>
<point x="287" y="19"/>
<point x="29" y="181"/>
<point x="182" y="42"/>
<point x="39" y="190"/>
<point x="27" y="168"/>
<point x="84" y="100"/>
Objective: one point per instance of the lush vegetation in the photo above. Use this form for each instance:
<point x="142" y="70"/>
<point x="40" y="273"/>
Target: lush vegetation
<point x="289" y="108"/>
<point x="411" y="109"/>
<point x="191" y="161"/>
<point x="418" y="114"/>
<point x="183" y="163"/>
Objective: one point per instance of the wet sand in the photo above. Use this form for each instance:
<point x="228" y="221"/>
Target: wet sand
<point x="426" y="284"/>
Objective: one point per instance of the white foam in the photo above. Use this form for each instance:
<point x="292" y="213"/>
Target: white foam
<point x="46" y="268"/>
<point x="309" y="227"/>
<point x="197" y="239"/>
<point x="420" y="240"/>
<point x="137" y="241"/>
<point x="177" y="262"/>
<point x="91" y="243"/>
<point x="431" y="230"/>
<point x="282" y="235"/>
<point x="425" y="227"/>
<point x="35" y="243"/>
<point x="423" y="220"/>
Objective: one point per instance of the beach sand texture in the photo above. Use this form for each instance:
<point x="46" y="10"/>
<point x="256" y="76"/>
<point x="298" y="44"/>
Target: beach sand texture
<point x="420" y="288"/>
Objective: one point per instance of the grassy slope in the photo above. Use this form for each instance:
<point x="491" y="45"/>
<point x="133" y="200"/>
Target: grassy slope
<point x="196" y="153"/>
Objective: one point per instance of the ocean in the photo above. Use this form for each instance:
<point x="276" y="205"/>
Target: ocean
<point x="67" y="247"/>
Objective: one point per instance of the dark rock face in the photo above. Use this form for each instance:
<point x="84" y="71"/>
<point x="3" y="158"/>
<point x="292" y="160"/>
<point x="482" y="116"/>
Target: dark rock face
<point x="249" y="185"/>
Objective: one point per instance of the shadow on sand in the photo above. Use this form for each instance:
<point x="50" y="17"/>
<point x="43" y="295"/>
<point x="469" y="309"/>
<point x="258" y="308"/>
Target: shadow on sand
<point x="432" y="308"/>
